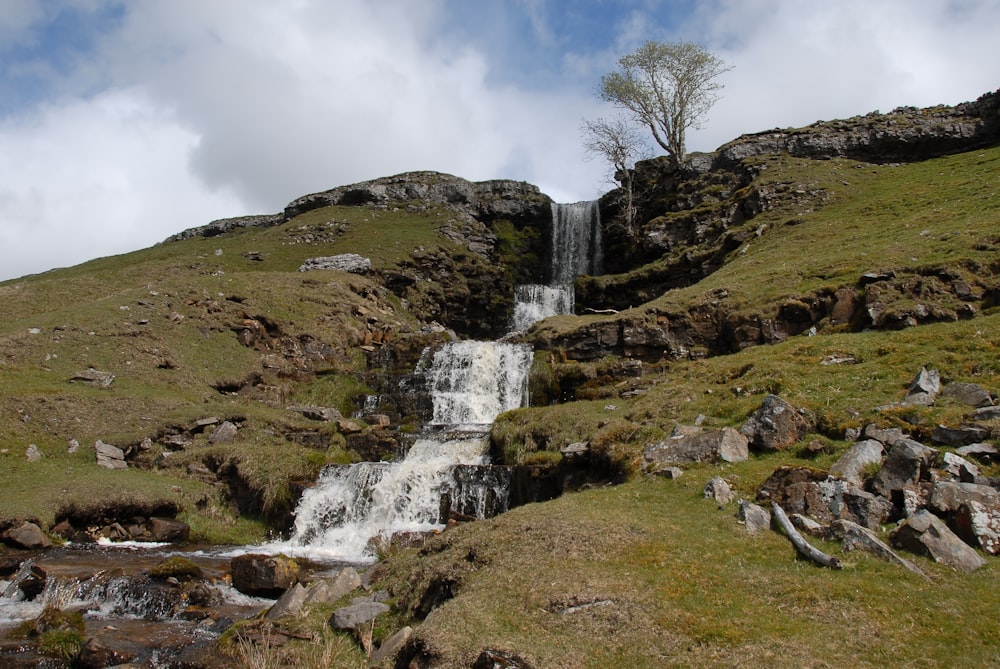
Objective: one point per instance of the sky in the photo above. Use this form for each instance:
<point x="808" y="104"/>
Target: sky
<point x="123" y="122"/>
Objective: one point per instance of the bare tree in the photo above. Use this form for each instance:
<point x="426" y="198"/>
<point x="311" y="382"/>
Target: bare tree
<point x="617" y="141"/>
<point x="667" y="87"/>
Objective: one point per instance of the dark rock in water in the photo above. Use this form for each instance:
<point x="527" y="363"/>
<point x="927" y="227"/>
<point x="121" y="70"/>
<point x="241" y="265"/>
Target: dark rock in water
<point x="925" y="534"/>
<point x="500" y="659"/>
<point x="263" y="575"/>
<point x="356" y="614"/>
<point x="774" y="426"/>
<point x="96" y="655"/>
<point x="167" y="530"/>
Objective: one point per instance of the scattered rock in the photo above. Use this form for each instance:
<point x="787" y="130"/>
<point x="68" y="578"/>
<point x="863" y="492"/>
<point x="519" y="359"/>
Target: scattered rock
<point x="500" y="659"/>
<point x="907" y="461"/>
<point x="968" y="394"/>
<point x="32" y="453"/>
<point x="109" y="457"/>
<point x="754" y="517"/>
<point x="947" y="496"/>
<point x="854" y="537"/>
<point x="289" y="604"/>
<point x="959" y="467"/>
<point x="345" y="262"/>
<point x="263" y="575"/>
<point x="924" y="533"/>
<point x="924" y="388"/>
<point x="774" y="426"/>
<point x="986" y="413"/>
<point x="94" y="378"/>
<point x="224" y="434"/>
<point x="888" y="436"/>
<point x="979" y="451"/>
<point x="356" y="614"/>
<point x="329" y="590"/>
<point x="718" y="489"/>
<point x="857" y="458"/>
<point x="726" y="445"/>
<point x="386" y="654"/>
<point x="962" y="435"/>
<point x="979" y="525"/>
<point x="670" y="473"/>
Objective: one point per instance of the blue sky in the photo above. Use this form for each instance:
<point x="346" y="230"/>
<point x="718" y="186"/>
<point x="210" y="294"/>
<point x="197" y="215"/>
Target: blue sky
<point x="125" y="121"/>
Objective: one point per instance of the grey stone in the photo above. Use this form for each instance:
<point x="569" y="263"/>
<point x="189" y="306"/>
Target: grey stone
<point x="109" y="457"/>
<point x="924" y="533"/>
<point x="289" y="604"/>
<point x="32" y="453"/>
<point x="979" y="451"/>
<point x="27" y="535"/>
<point x="986" y="413"/>
<point x="808" y="526"/>
<point x="924" y="388"/>
<point x="859" y="456"/>
<point x="754" y="517"/>
<point x="385" y="655"/>
<point x="969" y="394"/>
<point x="907" y="461"/>
<point x="774" y="426"/>
<point x="326" y="414"/>
<point x="947" y="496"/>
<point x="94" y="377"/>
<point x="718" y="489"/>
<point x="726" y="445"/>
<point x="263" y="575"/>
<point x="888" y="436"/>
<point x="959" y="467"/>
<point x="670" y="473"/>
<point x="223" y="434"/>
<point x="356" y="614"/>
<point x="865" y="509"/>
<point x="979" y="524"/>
<point x="329" y="590"/>
<point x="345" y="262"/>
<point x="854" y="537"/>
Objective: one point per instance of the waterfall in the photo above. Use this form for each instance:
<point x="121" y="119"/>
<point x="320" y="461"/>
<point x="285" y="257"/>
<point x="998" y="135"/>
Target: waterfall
<point x="576" y="249"/>
<point x="576" y="241"/>
<point x="470" y="383"/>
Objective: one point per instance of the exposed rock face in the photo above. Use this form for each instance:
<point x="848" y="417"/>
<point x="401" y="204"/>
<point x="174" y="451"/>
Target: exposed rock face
<point x="109" y="457"/>
<point x="345" y="262"/>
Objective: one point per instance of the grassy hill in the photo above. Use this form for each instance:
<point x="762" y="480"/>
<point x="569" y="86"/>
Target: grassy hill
<point x="646" y="573"/>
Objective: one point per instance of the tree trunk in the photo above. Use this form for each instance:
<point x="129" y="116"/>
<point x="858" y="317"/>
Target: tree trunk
<point x="803" y="547"/>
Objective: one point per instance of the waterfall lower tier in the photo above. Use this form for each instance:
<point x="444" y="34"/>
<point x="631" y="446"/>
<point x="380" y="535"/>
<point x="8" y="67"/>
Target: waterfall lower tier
<point x="354" y="507"/>
<point x="533" y="302"/>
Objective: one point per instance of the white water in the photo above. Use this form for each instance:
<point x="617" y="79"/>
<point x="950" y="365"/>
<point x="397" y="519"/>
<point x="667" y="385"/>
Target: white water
<point x="576" y="241"/>
<point x="534" y="302"/>
<point x="353" y="508"/>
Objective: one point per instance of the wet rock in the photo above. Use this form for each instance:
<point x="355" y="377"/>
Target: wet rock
<point x="223" y="434"/>
<point x="754" y="517"/>
<point x="109" y="457"/>
<point x="858" y="457"/>
<point x="26" y="535"/>
<point x="924" y="533"/>
<point x="718" y="489"/>
<point x="386" y="654"/>
<point x="94" y="377"/>
<point x="726" y="445"/>
<point x="969" y="394"/>
<point x="924" y="388"/>
<point x="907" y="461"/>
<point x="96" y="655"/>
<point x="774" y="426"/>
<point x="356" y="614"/>
<point x="263" y="575"/>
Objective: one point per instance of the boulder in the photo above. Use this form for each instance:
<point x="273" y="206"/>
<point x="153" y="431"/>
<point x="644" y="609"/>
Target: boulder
<point x="358" y="613"/>
<point x="225" y="433"/>
<point x="718" y="489"/>
<point x="26" y="535"/>
<point x="854" y="537"/>
<point x="109" y="457"/>
<point x="963" y="435"/>
<point x="858" y="457"/>
<point x="32" y="453"/>
<point x="924" y="533"/>
<point x="947" y="496"/>
<point x="774" y="426"/>
<point x="329" y="590"/>
<point x="808" y="526"/>
<point x="670" y="473"/>
<point x="289" y="604"/>
<point x="263" y="575"/>
<point x="385" y="655"/>
<point x="979" y="525"/>
<point x="924" y="388"/>
<point x="959" y="467"/>
<point x="969" y="394"/>
<point x="345" y="262"/>
<point x="754" y="517"/>
<point x="94" y="377"/>
<point x="95" y="654"/>
<point x="986" y="413"/>
<point x="907" y="461"/>
<point x="980" y="452"/>
<point x="888" y="436"/>
<point x="167" y="530"/>
<point x="865" y="509"/>
<point x="726" y="445"/>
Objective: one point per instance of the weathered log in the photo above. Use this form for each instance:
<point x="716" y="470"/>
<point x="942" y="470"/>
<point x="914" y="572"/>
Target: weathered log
<point x="804" y="548"/>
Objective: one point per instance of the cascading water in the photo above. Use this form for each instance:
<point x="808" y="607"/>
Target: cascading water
<point x="576" y="249"/>
<point x="471" y="383"/>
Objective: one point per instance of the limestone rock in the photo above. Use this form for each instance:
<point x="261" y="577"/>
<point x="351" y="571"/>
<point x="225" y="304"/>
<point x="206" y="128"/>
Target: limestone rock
<point x="718" y="489"/>
<point x="907" y="461"/>
<point x="947" y="496"/>
<point x="345" y="262"/>
<point x="263" y="575"/>
<point x="225" y="433"/>
<point x="109" y="457"/>
<point x="289" y="604"/>
<point x="854" y="537"/>
<point x="356" y="614"/>
<point x="725" y="445"/>
<point x="963" y="435"/>
<point x="925" y="534"/>
<point x="774" y="426"/>
<point x="754" y="517"/>
<point x="32" y="453"/>
<point x="329" y="590"/>
<point x="94" y="377"/>
<point x="859" y="456"/>
<point x="979" y="524"/>
<point x="924" y="388"/>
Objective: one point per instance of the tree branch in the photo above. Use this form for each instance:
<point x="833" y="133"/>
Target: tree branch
<point x="803" y="547"/>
